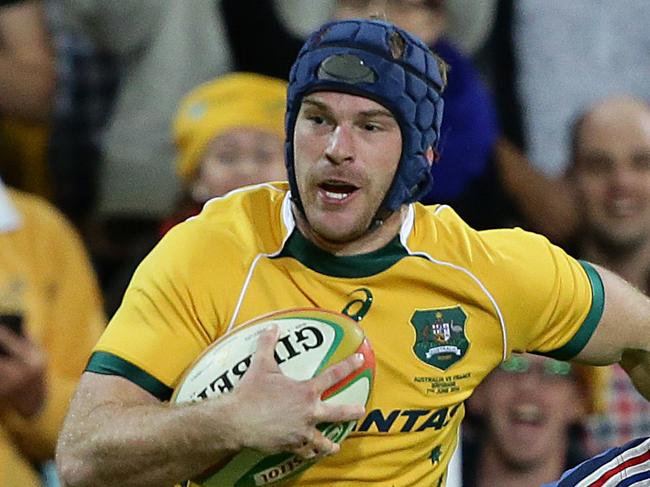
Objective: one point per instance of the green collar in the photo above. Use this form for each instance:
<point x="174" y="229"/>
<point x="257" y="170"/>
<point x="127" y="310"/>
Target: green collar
<point x="362" y="265"/>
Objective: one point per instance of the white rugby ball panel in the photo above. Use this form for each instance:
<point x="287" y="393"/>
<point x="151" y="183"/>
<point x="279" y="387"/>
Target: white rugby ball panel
<point x="356" y="392"/>
<point x="303" y="347"/>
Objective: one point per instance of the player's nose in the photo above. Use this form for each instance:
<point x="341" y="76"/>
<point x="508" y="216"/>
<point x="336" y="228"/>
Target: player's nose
<point x="341" y="146"/>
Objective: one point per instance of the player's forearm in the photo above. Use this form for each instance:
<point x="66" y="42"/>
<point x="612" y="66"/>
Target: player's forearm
<point x="144" y="445"/>
<point x="26" y="89"/>
<point x="637" y="365"/>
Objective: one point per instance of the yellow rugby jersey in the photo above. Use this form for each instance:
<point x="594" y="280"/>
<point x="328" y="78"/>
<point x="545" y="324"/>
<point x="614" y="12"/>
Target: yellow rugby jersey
<point x="442" y="305"/>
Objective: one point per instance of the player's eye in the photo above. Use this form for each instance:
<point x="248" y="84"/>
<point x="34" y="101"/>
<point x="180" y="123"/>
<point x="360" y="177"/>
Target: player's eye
<point x="317" y="119"/>
<point x="372" y="127"/>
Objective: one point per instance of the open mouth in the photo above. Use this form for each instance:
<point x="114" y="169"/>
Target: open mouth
<point x="337" y="190"/>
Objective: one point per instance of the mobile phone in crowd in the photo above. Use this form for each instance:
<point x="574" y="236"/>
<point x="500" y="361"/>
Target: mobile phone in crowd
<point x="14" y="322"/>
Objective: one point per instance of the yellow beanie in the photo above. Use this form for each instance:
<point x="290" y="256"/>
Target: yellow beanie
<point x="232" y="100"/>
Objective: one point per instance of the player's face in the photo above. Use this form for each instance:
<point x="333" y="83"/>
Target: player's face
<point x="346" y="152"/>
<point x="236" y="158"/>
<point x="531" y="404"/>
<point x="612" y="177"/>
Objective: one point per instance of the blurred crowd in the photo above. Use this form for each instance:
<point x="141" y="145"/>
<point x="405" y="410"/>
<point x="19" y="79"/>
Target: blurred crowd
<point x="120" y="119"/>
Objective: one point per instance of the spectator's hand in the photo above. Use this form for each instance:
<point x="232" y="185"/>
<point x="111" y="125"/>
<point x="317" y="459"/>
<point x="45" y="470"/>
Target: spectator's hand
<point x="22" y="374"/>
<point x="547" y="203"/>
<point x="276" y="413"/>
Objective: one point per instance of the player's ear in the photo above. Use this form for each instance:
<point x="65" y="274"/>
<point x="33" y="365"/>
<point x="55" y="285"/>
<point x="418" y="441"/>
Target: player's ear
<point x="432" y="156"/>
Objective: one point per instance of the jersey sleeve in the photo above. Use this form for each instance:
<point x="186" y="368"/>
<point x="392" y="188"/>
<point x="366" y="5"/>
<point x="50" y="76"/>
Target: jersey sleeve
<point x="551" y="302"/>
<point x="162" y="324"/>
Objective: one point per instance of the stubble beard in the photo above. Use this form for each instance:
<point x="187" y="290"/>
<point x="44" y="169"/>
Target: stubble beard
<point x="323" y="233"/>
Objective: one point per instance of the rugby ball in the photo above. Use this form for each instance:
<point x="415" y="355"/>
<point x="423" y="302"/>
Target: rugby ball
<point x="310" y="340"/>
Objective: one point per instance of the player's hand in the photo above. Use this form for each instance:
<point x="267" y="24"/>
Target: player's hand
<point x="22" y="373"/>
<point x="276" y="413"/>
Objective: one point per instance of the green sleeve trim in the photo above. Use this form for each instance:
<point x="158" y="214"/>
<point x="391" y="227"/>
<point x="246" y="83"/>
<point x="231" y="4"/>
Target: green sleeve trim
<point x="582" y="336"/>
<point x="108" y="364"/>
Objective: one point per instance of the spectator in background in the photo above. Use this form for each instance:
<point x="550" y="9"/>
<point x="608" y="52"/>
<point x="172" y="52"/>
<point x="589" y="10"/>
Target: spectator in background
<point x="27" y="82"/>
<point x="229" y="133"/>
<point x="26" y="61"/>
<point x="463" y="174"/>
<point x="161" y="50"/>
<point x="87" y="78"/>
<point x="569" y="55"/>
<point x="547" y="62"/>
<point x="469" y="22"/>
<point x="610" y="176"/>
<point x="528" y="413"/>
<point x="541" y="203"/>
<point x="47" y="283"/>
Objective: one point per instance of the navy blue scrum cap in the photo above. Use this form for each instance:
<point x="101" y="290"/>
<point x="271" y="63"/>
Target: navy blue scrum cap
<point x="382" y="62"/>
